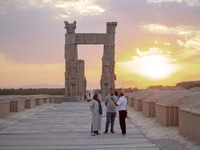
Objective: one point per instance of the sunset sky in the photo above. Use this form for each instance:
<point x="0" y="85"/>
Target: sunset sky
<point x="157" y="41"/>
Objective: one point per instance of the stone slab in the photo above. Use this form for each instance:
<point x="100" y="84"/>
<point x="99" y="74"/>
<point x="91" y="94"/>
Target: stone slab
<point x="167" y="115"/>
<point x="189" y="124"/>
<point x="91" y="38"/>
<point x="30" y="103"/>
<point x="46" y="100"/>
<point x="59" y="99"/>
<point x="138" y="104"/>
<point x="39" y="101"/>
<point x="4" y="108"/>
<point x="73" y="99"/>
<point x="17" y="105"/>
<point x="131" y="102"/>
<point x="51" y="100"/>
<point x="149" y="109"/>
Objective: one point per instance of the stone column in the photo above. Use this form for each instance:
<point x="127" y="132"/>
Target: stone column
<point x="108" y="61"/>
<point x="71" y="63"/>
<point x="82" y="78"/>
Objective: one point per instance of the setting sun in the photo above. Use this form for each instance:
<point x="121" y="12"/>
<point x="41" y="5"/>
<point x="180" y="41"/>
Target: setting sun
<point x="155" y="67"/>
<point x="154" y="64"/>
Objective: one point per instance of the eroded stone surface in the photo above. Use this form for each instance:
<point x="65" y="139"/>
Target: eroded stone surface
<point x="72" y="68"/>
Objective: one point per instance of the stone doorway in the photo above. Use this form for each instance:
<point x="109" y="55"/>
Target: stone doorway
<point x="74" y="74"/>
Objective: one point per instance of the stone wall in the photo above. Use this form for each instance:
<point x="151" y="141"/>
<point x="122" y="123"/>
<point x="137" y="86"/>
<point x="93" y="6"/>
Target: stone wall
<point x="149" y="109"/>
<point x="189" y="124"/>
<point x="17" y="105"/>
<point x="39" y="101"/>
<point x="30" y="103"/>
<point x="4" y="108"/>
<point x="138" y="104"/>
<point x="174" y="106"/>
<point x="167" y="115"/>
<point x="131" y="102"/>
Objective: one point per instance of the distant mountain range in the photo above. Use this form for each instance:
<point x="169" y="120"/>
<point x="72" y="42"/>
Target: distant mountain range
<point x="90" y="86"/>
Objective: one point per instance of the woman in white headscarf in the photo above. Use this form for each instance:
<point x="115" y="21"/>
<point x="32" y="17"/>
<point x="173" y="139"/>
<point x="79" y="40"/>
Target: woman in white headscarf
<point x="96" y="109"/>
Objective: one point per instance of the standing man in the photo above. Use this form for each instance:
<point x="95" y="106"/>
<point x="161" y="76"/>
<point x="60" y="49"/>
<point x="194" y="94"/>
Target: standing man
<point x="122" y="103"/>
<point x="110" y="111"/>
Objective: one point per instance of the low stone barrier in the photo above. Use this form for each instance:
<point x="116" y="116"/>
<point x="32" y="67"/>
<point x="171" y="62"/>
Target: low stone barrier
<point x="59" y="99"/>
<point x="46" y="100"/>
<point x="149" y="109"/>
<point x="131" y="102"/>
<point x="39" y="101"/>
<point x="189" y="123"/>
<point x="4" y="108"/>
<point x="51" y="100"/>
<point x="138" y="104"/>
<point x="30" y="103"/>
<point x="167" y="115"/>
<point x="127" y="98"/>
<point x="17" y="105"/>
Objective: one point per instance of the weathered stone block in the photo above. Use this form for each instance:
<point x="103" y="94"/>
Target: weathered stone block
<point x="91" y="38"/>
<point x="30" y="103"/>
<point x="127" y="99"/>
<point x="138" y="104"/>
<point x="70" y="38"/>
<point x="39" y="101"/>
<point x="111" y="38"/>
<point x="46" y="100"/>
<point x="59" y="99"/>
<point x="131" y="102"/>
<point x="73" y="99"/>
<point x="149" y="109"/>
<point x="4" y="108"/>
<point x="17" y="105"/>
<point x="189" y="124"/>
<point x="51" y="100"/>
<point x="167" y="115"/>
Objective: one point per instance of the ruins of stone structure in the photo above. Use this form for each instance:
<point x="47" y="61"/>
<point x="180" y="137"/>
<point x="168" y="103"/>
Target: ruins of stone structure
<point x="82" y="78"/>
<point x="75" y="81"/>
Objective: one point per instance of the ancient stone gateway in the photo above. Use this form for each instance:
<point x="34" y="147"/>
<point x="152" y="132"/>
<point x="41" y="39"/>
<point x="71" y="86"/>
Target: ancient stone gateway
<point x="74" y="68"/>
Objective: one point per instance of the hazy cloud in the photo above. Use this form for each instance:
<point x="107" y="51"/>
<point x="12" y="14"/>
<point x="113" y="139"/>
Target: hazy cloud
<point x="63" y="8"/>
<point x="189" y="2"/>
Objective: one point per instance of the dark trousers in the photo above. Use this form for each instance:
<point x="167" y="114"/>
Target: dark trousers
<point x="122" y="120"/>
<point x="110" y="118"/>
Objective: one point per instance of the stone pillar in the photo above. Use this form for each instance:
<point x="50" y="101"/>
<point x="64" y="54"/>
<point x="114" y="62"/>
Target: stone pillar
<point x="82" y="78"/>
<point x="71" y="63"/>
<point x="108" y="61"/>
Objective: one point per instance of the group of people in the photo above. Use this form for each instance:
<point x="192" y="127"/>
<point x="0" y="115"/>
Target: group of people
<point x="112" y="101"/>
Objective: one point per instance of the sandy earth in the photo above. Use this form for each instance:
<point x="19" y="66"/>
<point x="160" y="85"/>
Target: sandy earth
<point x="180" y="97"/>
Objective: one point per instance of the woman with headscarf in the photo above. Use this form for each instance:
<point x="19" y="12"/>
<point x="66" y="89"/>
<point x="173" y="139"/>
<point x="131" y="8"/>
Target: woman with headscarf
<point x="96" y="109"/>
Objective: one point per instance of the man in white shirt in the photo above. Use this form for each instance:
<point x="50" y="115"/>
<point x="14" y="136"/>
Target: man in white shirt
<point x="122" y="107"/>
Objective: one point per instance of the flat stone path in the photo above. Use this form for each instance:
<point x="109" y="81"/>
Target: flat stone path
<point x="67" y="126"/>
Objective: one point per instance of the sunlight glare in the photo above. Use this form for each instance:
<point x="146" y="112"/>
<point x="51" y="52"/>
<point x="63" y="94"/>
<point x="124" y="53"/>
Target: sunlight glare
<point x="155" y="67"/>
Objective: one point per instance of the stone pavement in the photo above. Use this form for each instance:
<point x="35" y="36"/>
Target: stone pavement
<point x="66" y="126"/>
